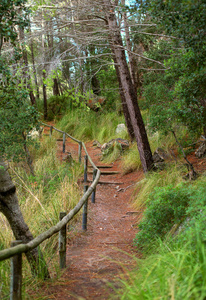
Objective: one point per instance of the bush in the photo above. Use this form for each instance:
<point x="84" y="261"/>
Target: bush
<point x="166" y="207"/>
<point x="57" y="105"/>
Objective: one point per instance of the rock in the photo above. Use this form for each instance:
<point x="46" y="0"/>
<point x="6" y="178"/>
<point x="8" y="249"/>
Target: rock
<point x="124" y="144"/>
<point x="97" y="144"/>
<point x="35" y="134"/>
<point x="159" y="165"/>
<point x="160" y="155"/>
<point x="68" y="158"/>
<point x="120" y="128"/>
<point x="95" y="102"/>
<point x="201" y="151"/>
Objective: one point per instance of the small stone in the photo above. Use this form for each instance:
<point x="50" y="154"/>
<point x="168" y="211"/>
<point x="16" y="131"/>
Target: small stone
<point x="120" y="128"/>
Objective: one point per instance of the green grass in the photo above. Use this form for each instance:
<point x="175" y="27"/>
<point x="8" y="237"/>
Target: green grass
<point x="53" y="189"/>
<point x="90" y="125"/>
<point x="177" y="271"/>
<point x="175" y="267"/>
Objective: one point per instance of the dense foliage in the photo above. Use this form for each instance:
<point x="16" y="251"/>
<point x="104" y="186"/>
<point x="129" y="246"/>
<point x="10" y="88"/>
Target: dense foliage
<point x="16" y="114"/>
<point x="179" y="92"/>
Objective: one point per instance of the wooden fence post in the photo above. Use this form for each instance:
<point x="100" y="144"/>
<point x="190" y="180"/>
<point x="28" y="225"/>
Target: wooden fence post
<point x="62" y="243"/>
<point x="64" y="141"/>
<point x="80" y="152"/>
<point x="85" y="168"/>
<point x="16" y="274"/>
<point x="94" y="192"/>
<point x="51" y="129"/>
<point x="84" y="215"/>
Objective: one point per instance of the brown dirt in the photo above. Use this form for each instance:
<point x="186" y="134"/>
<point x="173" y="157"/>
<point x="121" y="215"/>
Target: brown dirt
<point x="97" y="257"/>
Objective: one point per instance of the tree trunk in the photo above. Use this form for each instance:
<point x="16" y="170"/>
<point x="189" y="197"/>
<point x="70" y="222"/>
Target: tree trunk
<point x="129" y="91"/>
<point x="124" y="104"/>
<point x="34" y="68"/>
<point x="44" y="94"/>
<point x="132" y="63"/>
<point x="9" y="206"/>
<point x="56" y="87"/>
<point x="26" y="69"/>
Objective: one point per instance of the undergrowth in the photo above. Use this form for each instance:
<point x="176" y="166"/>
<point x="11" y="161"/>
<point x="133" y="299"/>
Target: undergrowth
<point x="90" y="125"/>
<point x="172" y="239"/>
<point x="41" y="197"/>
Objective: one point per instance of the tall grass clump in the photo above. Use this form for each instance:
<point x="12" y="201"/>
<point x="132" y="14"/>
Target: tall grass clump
<point x="90" y="125"/>
<point x="42" y="197"/>
<point x="173" y="230"/>
<point x="172" y="174"/>
<point x="174" y="272"/>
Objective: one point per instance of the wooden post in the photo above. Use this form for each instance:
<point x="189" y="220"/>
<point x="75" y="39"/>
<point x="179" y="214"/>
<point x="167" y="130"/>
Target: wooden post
<point x="94" y="192"/>
<point x="64" y="141"/>
<point x="51" y="129"/>
<point x="85" y="168"/>
<point x="16" y="274"/>
<point x="84" y="215"/>
<point x="62" y="243"/>
<point x="80" y="152"/>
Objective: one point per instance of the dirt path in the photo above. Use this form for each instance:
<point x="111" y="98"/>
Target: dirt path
<point x="95" y="258"/>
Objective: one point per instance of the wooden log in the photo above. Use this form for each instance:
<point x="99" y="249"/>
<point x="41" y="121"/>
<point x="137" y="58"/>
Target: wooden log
<point x="62" y="243"/>
<point x="84" y="215"/>
<point x="7" y="253"/>
<point x="102" y="166"/>
<point x="51" y="129"/>
<point x="64" y="142"/>
<point x="80" y="152"/>
<point x="85" y="168"/>
<point x="16" y="274"/>
<point x="106" y="172"/>
<point x="107" y="182"/>
<point x="94" y="192"/>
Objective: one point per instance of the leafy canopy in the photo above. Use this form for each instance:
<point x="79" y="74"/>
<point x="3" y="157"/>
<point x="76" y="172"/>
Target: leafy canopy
<point x="16" y="115"/>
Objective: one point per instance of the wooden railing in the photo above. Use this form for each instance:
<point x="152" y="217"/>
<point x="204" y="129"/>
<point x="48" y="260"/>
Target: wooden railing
<point x="17" y="248"/>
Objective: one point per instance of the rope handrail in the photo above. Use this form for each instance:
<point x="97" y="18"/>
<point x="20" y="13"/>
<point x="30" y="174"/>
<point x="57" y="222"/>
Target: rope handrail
<point x="10" y="252"/>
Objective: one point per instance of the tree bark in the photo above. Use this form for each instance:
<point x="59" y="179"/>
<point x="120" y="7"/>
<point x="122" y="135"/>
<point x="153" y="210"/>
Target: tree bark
<point x="26" y="69"/>
<point x="124" y="104"/>
<point x="9" y="206"/>
<point x="56" y="87"/>
<point x="132" y="62"/>
<point x="128" y="90"/>
<point x="44" y="94"/>
<point x="34" y="67"/>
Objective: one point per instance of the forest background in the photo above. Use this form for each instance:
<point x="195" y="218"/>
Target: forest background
<point x="80" y="61"/>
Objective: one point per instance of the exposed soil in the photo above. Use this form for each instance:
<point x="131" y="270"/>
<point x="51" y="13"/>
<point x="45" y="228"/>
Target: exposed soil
<point x="97" y="257"/>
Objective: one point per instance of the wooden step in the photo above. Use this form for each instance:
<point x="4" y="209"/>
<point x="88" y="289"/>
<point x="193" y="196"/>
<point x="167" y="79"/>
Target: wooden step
<point x="106" y="172"/>
<point x="102" y="166"/>
<point x="107" y="182"/>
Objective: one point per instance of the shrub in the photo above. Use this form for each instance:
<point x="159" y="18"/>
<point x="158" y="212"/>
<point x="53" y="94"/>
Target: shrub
<point x="166" y="207"/>
<point x="57" y="105"/>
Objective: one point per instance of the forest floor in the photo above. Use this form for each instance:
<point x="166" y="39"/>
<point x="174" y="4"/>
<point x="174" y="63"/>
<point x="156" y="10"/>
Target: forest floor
<point x="97" y="258"/>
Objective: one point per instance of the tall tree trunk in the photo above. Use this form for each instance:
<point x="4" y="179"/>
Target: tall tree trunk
<point x="124" y="104"/>
<point x="132" y="62"/>
<point x="44" y="94"/>
<point x="128" y="90"/>
<point x="56" y="87"/>
<point x="34" y="67"/>
<point x="44" y="68"/>
<point x="26" y="70"/>
<point x="9" y="206"/>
